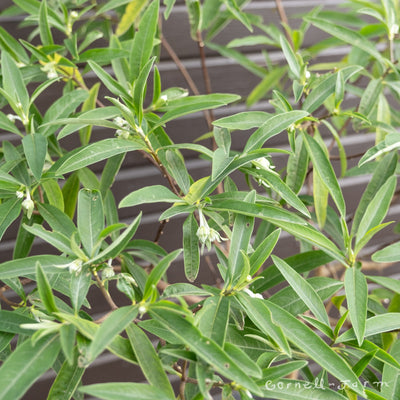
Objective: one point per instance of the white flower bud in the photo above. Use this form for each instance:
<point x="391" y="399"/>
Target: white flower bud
<point x="252" y="294"/>
<point x="28" y="205"/>
<point x="19" y="194"/>
<point x="74" y="15"/>
<point x="75" y="267"/>
<point x="108" y="273"/>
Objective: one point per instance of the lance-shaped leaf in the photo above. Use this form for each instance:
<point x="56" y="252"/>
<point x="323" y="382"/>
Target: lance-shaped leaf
<point x="291" y="58"/>
<point x="263" y="251"/>
<point x="118" y="245"/>
<point x="26" y="266"/>
<point x="157" y="273"/>
<point x="35" y="149"/>
<point x="279" y="371"/>
<point x="25" y="365"/>
<point x="98" y="151"/>
<point x="124" y="390"/>
<point x="67" y="381"/>
<point x="191" y="253"/>
<point x="9" y="211"/>
<point x="142" y="45"/>
<point x="149" y="360"/>
<point x="261" y="316"/>
<point x="272" y="127"/>
<point x="213" y="318"/>
<point x="347" y="35"/>
<point x="11" y="321"/>
<point x="115" y="323"/>
<point x="54" y="193"/>
<point x="377" y="208"/>
<point x="378" y="324"/>
<point x="324" y="168"/>
<point x="90" y="218"/>
<point x="356" y="289"/>
<point x="131" y="13"/>
<point x="391" y="142"/>
<point x="79" y="287"/>
<point x="309" y="342"/>
<point x="390" y="253"/>
<point x="390" y="376"/>
<point x="243" y="121"/>
<point x="44" y="289"/>
<point x="149" y="194"/>
<point x="204" y="347"/>
<point x="305" y="291"/>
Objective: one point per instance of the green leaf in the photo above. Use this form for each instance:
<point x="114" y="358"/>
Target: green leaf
<point x="297" y="166"/>
<point x="204" y="347"/>
<point x="6" y="124"/>
<point x="241" y="235"/>
<point x="324" y="168"/>
<point x="118" y="245"/>
<point x="10" y="45"/>
<point x="370" y="97"/>
<point x="70" y="192"/>
<point x="79" y="287"/>
<point x="192" y="104"/>
<point x="67" y="380"/>
<point x="391" y="142"/>
<point x="263" y="251"/>
<point x="348" y="36"/>
<point x="327" y="87"/>
<point x="13" y="84"/>
<point x="157" y="272"/>
<point x="132" y="11"/>
<point x="110" y="83"/>
<point x="118" y="346"/>
<point x="390" y="377"/>
<point x="305" y="291"/>
<point x="384" y="170"/>
<point x="213" y="318"/>
<point x="356" y="289"/>
<point x="98" y="151"/>
<point x="35" y="149"/>
<point x="243" y="120"/>
<point x="291" y="58"/>
<point x="27" y="266"/>
<point x="142" y="45"/>
<point x="25" y="365"/>
<point x="90" y="219"/>
<point x="378" y="324"/>
<point x="102" y="55"/>
<point x="115" y="323"/>
<point x="123" y="391"/>
<point x="149" y="360"/>
<point x="149" y="194"/>
<point x="261" y="316"/>
<point x="377" y="208"/>
<point x="289" y="299"/>
<point x="320" y="194"/>
<point x="57" y="220"/>
<point x="272" y="127"/>
<point x="44" y="289"/>
<point x="9" y="212"/>
<point x="53" y="193"/>
<point x="24" y="240"/>
<point x="290" y="389"/>
<point x="234" y="9"/>
<point x="267" y="83"/>
<point x="67" y="340"/>
<point x="60" y="109"/>
<point x="88" y="105"/>
<point x="287" y="221"/>
<point x="191" y="253"/>
<point x="390" y="253"/>
<point x="302" y="262"/>
<point x="309" y="342"/>
<point x="44" y="28"/>
<point x="11" y="321"/>
<point x="279" y="371"/>
<point x="240" y="357"/>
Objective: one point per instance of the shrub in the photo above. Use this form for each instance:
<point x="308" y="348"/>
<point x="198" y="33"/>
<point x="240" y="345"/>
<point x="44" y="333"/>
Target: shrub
<point x="325" y="333"/>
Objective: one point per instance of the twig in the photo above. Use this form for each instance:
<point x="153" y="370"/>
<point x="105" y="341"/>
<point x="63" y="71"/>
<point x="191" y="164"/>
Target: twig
<point x="104" y="292"/>
<point x="183" y="381"/>
<point x="284" y="20"/>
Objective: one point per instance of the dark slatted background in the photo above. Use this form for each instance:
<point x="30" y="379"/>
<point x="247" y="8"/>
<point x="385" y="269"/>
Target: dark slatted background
<point x="226" y="76"/>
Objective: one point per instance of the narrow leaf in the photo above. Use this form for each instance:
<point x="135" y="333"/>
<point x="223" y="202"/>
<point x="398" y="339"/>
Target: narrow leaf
<point x="191" y="253"/>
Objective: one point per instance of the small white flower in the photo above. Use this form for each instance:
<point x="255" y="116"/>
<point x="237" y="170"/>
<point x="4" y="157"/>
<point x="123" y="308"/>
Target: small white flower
<point x="19" y="194"/>
<point x="124" y="131"/>
<point x="128" y="279"/>
<point x="74" y="15"/>
<point x="50" y="69"/>
<point x="75" y="267"/>
<point x="394" y="30"/>
<point x="108" y="273"/>
<point x="28" y="205"/>
<point x="252" y="294"/>
<point x="123" y="134"/>
<point x="206" y="234"/>
<point x="248" y="278"/>
<point x="263" y="163"/>
<point x="142" y="309"/>
<point x="13" y="117"/>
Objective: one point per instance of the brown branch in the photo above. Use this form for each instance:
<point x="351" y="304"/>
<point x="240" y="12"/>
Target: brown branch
<point x="284" y="20"/>
<point x="183" y="381"/>
<point x="104" y="292"/>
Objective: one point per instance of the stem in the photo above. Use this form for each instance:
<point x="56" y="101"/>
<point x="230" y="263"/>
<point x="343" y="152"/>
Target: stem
<point x="183" y="381"/>
<point x="104" y="292"/>
<point x="284" y="20"/>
